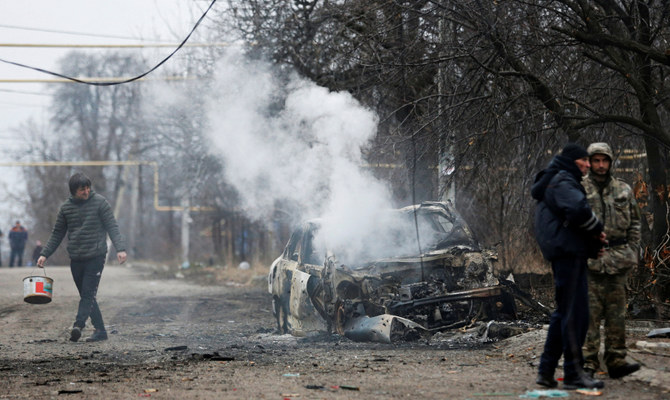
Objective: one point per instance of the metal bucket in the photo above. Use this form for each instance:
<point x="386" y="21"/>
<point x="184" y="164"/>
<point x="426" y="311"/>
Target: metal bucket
<point x="37" y="289"/>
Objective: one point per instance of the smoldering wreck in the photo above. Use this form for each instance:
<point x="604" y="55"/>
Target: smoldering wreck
<point x="403" y="294"/>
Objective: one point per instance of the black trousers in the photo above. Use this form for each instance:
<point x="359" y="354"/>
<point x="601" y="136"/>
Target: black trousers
<point x="86" y="275"/>
<point x="16" y="253"/>
<point x="570" y="321"/>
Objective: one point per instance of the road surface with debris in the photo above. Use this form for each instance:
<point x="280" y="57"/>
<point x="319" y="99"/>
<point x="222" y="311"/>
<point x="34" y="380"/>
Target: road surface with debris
<point x="177" y="339"/>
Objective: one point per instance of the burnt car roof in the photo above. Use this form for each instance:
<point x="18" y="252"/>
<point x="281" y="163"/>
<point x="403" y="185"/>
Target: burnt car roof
<point x="439" y="228"/>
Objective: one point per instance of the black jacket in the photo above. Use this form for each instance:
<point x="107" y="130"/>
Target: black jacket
<point x="565" y="225"/>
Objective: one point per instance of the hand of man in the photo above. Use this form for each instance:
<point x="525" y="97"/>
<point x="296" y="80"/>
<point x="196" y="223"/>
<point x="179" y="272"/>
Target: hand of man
<point x="603" y="238"/>
<point x="40" y="261"/>
<point x="121" y="256"/>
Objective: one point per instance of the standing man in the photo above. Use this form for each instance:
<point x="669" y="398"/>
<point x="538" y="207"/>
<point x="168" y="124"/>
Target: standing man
<point x="36" y="252"/>
<point x="568" y="233"/>
<point x="18" y="236"/>
<point x="613" y="202"/>
<point x="87" y="218"/>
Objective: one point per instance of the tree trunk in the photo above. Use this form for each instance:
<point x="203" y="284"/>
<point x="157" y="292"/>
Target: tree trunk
<point x="217" y="239"/>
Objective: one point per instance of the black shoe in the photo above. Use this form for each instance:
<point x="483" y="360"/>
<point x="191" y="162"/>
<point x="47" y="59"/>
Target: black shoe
<point x="546" y="381"/>
<point x="621" y="371"/>
<point x="75" y="334"/>
<point x="590" y="372"/>
<point x="97" y="336"/>
<point x="583" y="382"/>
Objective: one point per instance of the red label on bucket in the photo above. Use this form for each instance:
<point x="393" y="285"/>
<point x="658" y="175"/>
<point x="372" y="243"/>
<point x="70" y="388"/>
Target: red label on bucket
<point x="39" y="288"/>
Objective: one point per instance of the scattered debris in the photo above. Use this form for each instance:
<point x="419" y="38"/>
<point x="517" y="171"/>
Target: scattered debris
<point x="641" y="344"/>
<point x="176" y="348"/>
<point x="42" y="341"/>
<point x="383" y="328"/>
<point x="661" y="332"/>
<point x="70" y="391"/>
<point x="534" y="394"/>
<point x="590" y="392"/>
<point x="493" y="331"/>
<point x="217" y="357"/>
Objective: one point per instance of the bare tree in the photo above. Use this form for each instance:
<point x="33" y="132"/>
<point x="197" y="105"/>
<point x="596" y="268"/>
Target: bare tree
<point x="91" y="123"/>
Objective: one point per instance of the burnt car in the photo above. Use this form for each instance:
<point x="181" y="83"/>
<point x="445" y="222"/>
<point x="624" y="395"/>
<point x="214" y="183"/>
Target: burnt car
<point x="403" y="293"/>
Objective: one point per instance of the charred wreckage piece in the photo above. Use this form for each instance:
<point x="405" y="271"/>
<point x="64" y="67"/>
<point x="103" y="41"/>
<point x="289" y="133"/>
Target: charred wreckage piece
<point x="401" y="297"/>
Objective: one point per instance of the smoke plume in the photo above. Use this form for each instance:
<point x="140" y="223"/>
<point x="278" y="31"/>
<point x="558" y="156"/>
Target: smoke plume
<point x="291" y="140"/>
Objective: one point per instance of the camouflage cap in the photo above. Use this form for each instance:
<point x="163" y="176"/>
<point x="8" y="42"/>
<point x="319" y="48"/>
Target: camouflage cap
<point x="600" y="148"/>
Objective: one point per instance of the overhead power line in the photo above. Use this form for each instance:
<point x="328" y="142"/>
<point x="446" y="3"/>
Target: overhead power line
<point x="104" y="46"/>
<point x="109" y="83"/>
<point x="94" y="80"/>
<point x="28" y="28"/>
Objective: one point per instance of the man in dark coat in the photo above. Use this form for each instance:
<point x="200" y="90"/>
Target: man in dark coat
<point x="568" y="233"/>
<point x="87" y="219"/>
<point x="18" y="236"/>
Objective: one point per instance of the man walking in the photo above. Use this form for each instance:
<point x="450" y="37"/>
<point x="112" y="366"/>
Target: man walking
<point x="18" y="236"/>
<point x="614" y="203"/>
<point x="87" y="218"/>
<point x="568" y="233"/>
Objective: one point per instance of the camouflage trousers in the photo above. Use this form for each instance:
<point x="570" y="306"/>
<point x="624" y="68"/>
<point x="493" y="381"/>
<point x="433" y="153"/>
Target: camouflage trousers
<point x="607" y="301"/>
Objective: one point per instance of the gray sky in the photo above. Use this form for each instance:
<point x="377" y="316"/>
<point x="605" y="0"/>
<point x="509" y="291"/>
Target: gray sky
<point x="45" y="22"/>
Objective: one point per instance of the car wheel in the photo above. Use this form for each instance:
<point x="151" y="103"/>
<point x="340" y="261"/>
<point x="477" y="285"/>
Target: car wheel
<point x="340" y="318"/>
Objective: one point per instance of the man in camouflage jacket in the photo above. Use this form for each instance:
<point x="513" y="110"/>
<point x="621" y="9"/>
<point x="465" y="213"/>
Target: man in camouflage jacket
<point x="613" y="202"/>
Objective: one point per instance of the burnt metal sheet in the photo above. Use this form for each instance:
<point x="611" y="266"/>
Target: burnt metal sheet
<point x="383" y="328"/>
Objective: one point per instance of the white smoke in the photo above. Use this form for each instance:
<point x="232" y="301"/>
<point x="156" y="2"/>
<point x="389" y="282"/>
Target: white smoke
<point x="300" y="142"/>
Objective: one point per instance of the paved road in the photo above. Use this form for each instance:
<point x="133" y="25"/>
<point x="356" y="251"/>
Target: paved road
<point x="173" y="339"/>
<point x="141" y="311"/>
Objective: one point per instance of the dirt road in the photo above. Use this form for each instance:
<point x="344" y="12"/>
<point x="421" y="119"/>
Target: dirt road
<point x="175" y="339"/>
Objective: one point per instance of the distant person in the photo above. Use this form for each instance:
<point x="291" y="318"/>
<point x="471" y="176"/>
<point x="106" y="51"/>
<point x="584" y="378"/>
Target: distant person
<point x="614" y="202"/>
<point x="568" y="233"/>
<point x="87" y="218"/>
<point x="0" y="247"/>
<point x="18" y="236"/>
<point x="36" y="252"/>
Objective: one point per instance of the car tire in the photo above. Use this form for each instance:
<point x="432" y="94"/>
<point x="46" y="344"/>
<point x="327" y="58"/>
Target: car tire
<point x="339" y="319"/>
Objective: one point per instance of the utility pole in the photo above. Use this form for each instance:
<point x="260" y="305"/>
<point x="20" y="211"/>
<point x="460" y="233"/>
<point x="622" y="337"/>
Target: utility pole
<point x="185" y="231"/>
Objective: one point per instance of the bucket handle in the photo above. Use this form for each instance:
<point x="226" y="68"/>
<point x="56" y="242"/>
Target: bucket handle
<point x="44" y="270"/>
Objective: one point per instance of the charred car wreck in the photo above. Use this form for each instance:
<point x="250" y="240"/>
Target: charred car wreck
<point x="402" y="296"/>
